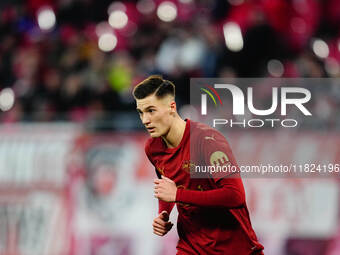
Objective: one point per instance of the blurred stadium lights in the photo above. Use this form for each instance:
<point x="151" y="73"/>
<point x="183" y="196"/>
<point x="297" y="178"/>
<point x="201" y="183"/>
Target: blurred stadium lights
<point x="118" y="19"/>
<point x="116" y="6"/>
<point x="167" y="11"/>
<point x="233" y="36"/>
<point x="103" y="28"/>
<point x="186" y="1"/>
<point x="6" y="99"/>
<point x="339" y="45"/>
<point x="107" y="42"/>
<point x="275" y="68"/>
<point x="236" y="2"/>
<point x="190" y="54"/>
<point x="46" y="18"/>
<point x="117" y="15"/>
<point x="130" y="29"/>
<point x="320" y="48"/>
<point x="145" y="6"/>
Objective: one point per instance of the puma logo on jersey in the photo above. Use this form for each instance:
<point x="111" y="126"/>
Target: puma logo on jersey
<point x="210" y="138"/>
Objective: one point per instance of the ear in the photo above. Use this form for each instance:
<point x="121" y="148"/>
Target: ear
<point x="173" y="106"/>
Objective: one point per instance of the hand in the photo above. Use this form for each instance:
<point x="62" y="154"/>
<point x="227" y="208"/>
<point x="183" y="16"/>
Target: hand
<point x="161" y="224"/>
<point x="165" y="189"/>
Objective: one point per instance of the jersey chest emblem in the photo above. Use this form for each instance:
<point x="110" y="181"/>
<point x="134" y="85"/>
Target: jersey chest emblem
<point x="188" y="166"/>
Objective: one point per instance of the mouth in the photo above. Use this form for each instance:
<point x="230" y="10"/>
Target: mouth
<point x="150" y="129"/>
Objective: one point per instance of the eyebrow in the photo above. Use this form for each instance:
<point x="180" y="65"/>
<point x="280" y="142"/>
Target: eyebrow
<point x="145" y="108"/>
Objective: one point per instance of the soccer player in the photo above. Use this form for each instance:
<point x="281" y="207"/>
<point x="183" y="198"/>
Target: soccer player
<point x="212" y="213"/>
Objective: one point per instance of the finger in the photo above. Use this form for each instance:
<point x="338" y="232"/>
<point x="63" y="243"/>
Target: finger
<point x="159" y="185"/>
<point x="159" y="225"/>
<point x="159" y="229"/>
<point x="158" y="233"/>
<point x="156" y="181"/>
<point x="157" y="191"/>
<point x="159" y="222"/>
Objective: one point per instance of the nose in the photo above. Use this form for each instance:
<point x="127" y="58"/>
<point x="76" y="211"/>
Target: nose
<point x="145" y="119"/>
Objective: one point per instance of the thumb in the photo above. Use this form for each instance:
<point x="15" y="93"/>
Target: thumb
<point x="164" y="215"/>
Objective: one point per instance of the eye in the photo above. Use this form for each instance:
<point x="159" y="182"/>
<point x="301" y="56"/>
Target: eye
<point x="151" y="110"/>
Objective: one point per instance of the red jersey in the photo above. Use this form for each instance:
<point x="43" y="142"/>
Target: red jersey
<point x="212" y="213"/>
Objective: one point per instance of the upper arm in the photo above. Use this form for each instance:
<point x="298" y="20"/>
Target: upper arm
<point x="218" y="155"/>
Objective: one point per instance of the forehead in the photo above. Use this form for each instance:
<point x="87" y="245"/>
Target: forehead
<point x="148" y="101"/>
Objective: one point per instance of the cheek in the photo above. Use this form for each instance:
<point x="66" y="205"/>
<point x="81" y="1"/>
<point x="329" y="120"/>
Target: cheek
<point x="162" y="121"/>
<point x="160" y="117"/>
<point x="166" y="122"/>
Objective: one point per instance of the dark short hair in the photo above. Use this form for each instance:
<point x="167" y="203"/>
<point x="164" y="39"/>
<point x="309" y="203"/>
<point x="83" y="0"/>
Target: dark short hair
<point x="154" y="84"/>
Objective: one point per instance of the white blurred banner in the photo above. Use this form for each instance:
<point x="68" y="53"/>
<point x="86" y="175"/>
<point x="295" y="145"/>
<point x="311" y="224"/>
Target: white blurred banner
<point x="67" y="192"/>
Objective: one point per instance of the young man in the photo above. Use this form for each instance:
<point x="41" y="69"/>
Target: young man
<point x="212" y="213"/>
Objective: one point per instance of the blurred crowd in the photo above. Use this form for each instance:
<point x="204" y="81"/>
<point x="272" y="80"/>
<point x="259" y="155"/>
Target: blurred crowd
<point x="62" y="73"/>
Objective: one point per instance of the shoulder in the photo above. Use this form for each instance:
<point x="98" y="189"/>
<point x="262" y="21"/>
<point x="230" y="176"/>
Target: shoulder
<point x="204" y="132"/>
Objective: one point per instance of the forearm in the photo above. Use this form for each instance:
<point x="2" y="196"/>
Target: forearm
<point x="226" y="196"/>
<point x="165" y="206"/>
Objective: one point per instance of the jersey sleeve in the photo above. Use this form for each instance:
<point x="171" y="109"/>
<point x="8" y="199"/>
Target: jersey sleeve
<point x="218" y="157"/>
<point x="215" y="152"/>
<point x="229" y="194"/>
<point x="165" y="206"/>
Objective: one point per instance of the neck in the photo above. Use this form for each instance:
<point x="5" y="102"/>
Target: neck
<point x="174" y="137"/>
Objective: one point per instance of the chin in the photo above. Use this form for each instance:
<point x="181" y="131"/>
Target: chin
<point x="154" y="135"/>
